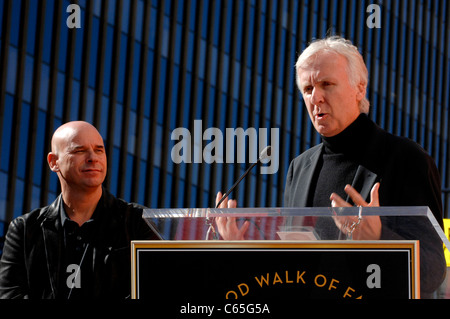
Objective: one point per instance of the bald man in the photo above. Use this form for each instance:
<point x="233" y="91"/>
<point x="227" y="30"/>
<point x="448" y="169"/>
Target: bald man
<point x="79" y="246"/>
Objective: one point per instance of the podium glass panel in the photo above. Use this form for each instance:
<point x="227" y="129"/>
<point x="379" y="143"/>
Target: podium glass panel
<point x="279" y="223"/>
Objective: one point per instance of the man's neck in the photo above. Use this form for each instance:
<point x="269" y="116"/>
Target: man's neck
<point x="80" y="206"/>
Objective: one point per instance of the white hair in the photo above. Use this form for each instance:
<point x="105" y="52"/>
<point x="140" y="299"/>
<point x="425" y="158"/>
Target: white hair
<point x="356" y="68"/>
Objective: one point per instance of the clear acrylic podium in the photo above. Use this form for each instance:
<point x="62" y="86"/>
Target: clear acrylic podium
<point x="277" y="223"/>
<point x="284" y="243"/>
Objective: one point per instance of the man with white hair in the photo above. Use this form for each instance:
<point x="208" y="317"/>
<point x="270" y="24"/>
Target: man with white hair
<point x="359" y="161"/>
<point x="79" y="246"/>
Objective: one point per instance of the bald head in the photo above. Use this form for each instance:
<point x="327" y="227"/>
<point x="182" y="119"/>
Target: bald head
<point x="70" y="131"/>
<point x="78" y="155"/>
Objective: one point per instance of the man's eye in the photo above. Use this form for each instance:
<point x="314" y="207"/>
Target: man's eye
<point x="307" y="89"/>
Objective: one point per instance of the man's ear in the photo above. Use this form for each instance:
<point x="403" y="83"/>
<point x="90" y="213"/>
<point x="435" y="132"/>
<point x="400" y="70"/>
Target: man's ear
<point x="361" y="88"/>
<point x="52" y="162"/>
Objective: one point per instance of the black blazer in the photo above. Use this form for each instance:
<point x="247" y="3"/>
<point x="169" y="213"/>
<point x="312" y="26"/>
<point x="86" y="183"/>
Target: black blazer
<point x="31" y="262"/>
<point x="408" y="177"/>
<point x="301" y="172"/>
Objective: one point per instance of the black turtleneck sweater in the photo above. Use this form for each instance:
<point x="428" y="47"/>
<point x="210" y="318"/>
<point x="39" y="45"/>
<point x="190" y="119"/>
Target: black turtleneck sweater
<point x="337" y="165"/>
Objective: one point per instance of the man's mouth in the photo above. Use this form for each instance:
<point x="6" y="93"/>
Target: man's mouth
<point x="90" y="170"/>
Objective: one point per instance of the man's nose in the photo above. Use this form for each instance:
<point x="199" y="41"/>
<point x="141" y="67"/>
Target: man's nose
<point x="92" y="156"/>
<point x="317" y="96"/>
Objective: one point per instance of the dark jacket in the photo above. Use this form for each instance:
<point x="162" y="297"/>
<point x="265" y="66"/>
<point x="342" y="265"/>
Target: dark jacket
<point x="408" y="177"/>
<point x="31" y="264"/>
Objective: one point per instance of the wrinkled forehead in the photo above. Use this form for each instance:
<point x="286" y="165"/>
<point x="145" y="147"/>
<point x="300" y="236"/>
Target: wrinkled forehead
<point x="72" y="137"/>
<point x="322" y="60"/>
<point x="321" y="66"/>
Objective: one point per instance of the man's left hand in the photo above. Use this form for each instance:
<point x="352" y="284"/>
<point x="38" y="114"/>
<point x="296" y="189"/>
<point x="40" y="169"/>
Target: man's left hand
<point x="369" y="228"/>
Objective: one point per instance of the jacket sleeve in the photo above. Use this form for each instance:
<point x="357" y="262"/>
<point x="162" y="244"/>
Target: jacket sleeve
<point x="415" y="181"/>
<point x="13" y="274"/>
<point x="426" y="191"/>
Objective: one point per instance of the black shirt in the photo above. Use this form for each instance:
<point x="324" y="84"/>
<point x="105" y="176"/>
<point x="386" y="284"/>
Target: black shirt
<point x="77" y="260"/>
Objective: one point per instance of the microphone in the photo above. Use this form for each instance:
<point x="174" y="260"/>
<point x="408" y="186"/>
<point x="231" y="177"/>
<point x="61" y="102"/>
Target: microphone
<point x="263" y="155"/>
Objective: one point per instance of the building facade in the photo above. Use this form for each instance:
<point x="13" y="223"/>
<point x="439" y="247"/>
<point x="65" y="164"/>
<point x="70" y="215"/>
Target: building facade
<point x="139" y="70"/>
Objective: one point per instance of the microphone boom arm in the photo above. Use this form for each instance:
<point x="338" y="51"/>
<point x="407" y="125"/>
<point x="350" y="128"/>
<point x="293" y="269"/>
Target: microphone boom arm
<point x="235" y="184"/>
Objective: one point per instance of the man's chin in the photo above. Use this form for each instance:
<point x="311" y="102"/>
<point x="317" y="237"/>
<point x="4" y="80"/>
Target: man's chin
<point x="323" y="130"/>
<point x="93" y="184"/>
<point x="326" y="130"/>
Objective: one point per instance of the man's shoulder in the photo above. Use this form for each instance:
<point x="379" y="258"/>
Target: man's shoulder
<point x="405" y="147"/>
<point x="29" y="222"/>
<point x="130" y="214"/>
<point x="29" y="217"/>
<point x="306" y="155"/>
<point x="402" y="154"/>
<point x="302" y="161"/>
<point x="38" y="215"/>
<point x="121" y="206"/>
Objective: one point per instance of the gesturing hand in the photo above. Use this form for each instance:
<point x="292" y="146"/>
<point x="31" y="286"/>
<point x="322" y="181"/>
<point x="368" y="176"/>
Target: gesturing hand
<point x="369" y="228"/>
<point x="227" y="226"/>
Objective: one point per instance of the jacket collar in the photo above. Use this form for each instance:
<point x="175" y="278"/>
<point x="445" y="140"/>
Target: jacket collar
<point x="51" y="235"/>
<point x="306" y="175"/>
<point x="51" y="213"/>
